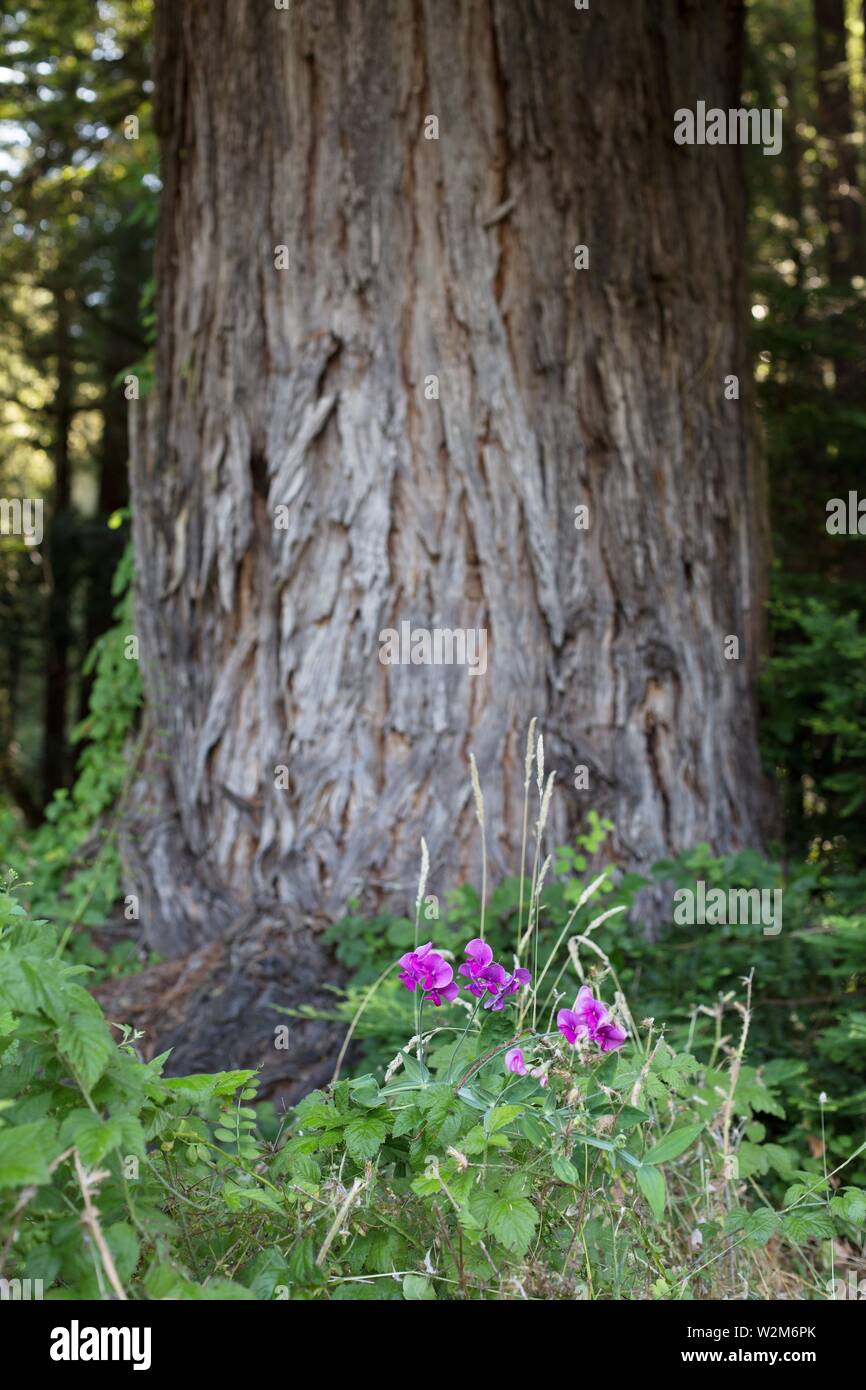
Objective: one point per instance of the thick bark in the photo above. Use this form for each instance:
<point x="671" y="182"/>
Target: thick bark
<point x="558" y="387"/>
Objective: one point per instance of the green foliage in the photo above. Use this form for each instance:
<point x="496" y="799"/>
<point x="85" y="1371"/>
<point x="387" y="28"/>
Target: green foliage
<point x="451" y="1179"/>
<point x="71" y="861"/>
<point x="807" y="1028"/>
<point x="810" y="377"/>
<point x="78" y="196"/>
<point x="815" y="727"/>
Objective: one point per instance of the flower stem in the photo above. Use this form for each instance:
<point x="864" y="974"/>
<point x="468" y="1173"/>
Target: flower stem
<point x="420" y="1038"/>
<point x="463" y="1035"/>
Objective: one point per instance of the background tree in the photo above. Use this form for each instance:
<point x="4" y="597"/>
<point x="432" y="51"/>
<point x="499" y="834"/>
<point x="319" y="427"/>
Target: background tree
<point x="808" y="255"/>
<point x="74" y="257"/>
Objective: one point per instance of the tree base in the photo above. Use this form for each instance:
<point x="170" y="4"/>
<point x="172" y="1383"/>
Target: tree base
<point x="217" y="1009"/>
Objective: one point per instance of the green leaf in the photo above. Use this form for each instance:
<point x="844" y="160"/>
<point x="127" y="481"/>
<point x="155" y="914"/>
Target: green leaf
<point x="672" y="1145"/>
<point x="752" y="1159"/>
<point x="417" y="1286"/>
<point x="512" y="1220"/>
<point x="407" y="1118"/>
<point x="474" y="1142"/>
<point x="850" y="1206"/>
<point x="85" y="1042"/>
<point x="798" y="1190"/>
<point x="652" y="1185"/>
<point x="760" y="1225"/>
<point x="565" y="1170"/>
<point x="807" y="1224"/>
<point x="268" y="1269"/>
<point x="365" y="1091"/>
<point x="123" y="1244"/>
<point x="317" y="1116"/>
<point x="532" y="1129"/>
<point x="25" y="1153"/>
<point x="364" y="1136"/>
<point x="424" y="1186"/>
<point x="302" y="1262"/>
<point x="92" y="1136"/>
<point x="500" y="1116"/>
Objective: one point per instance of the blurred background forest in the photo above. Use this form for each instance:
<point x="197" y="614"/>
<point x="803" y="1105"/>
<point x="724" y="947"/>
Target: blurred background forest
<point x="79" y="192"/>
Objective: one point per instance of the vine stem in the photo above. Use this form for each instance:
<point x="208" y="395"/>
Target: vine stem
<point x="109" y="834"/>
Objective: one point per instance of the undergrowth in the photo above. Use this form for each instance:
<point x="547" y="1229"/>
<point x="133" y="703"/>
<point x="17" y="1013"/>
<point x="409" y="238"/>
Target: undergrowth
<point x="537" y="1132"/>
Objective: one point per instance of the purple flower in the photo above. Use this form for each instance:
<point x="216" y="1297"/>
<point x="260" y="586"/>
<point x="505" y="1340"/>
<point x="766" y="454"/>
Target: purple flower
<point x="518" y="979"/>
<point x="514" y="1061"/>
<point x="591" y="1011"/>
<point x="590" y="1019"/>
<point x="482" y="972"/>
<point x="609" y="1037"/>
<point x="486" y="976"/>
<point x="511" y="985"/>
<point x="570" y="1025"/>
<point x="427" y="969"/>
<point x="480" y="956"/>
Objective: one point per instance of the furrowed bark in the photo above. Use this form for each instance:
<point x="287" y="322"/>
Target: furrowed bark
<point x="412" y="257"/>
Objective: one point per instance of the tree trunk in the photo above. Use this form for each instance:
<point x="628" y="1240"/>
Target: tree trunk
<point x="842" y="198"/>
<point x="59" y="563"/>
<point x="309" y="388"/>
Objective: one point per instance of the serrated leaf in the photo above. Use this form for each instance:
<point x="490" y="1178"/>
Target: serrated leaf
<point x="25" y="1152"/>
<point x="500" y="1116"/>
<point x="84" y="1040"/>
<point x="406" y="1120"/>
<point x="92" y="1136"/>
<point x="807" y="1224"/>
<point x="512" y="1220"/>
<point x="364" y="1136"/>
<point x="760" y="1225"/>
<point x="752" y="1159"/>
<point x="850" y="1206"/>
<point x="475" y="1141"/>
<point x="319" y="1116"/>
<point x="795" y="1192"/>
<point x="424" y="1186"/>
<point x="268" y="1269"/>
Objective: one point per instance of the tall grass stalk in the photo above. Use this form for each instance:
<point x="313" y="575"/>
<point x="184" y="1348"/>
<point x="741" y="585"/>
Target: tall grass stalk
<point x="527" y="777"/>
<point x="479" y="813"/>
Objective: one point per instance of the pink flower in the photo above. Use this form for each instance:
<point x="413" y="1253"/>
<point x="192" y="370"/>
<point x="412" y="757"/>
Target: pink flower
<point x="609" y="1037"/>
<point x="426" y="969"/>
<point x="590" y="1019"/>
<point x="514" y="1061"/>
<point x="487" y="976"/>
